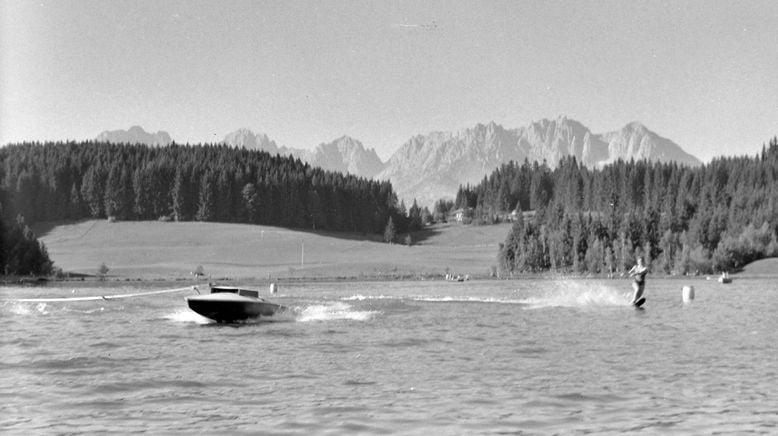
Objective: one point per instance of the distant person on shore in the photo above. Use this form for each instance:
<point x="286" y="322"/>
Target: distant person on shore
<point x="639" y="272"/>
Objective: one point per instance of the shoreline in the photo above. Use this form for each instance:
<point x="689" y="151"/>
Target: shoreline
<point x="91" y="281"/>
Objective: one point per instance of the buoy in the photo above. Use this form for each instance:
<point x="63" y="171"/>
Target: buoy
<point x="273" y="288"/>
<point x="688" y="294"/>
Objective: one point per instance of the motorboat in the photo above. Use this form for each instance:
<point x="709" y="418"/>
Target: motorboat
<point x="725" y="278"/>
<point x="229" y="304"/>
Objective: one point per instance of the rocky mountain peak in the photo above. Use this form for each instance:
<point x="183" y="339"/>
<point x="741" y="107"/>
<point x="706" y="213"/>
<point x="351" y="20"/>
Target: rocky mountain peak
<point x="636" y="126"/>
<point x="135" y="135"/>
<point x="244" y="137"/>
<point x="346" y="154"/>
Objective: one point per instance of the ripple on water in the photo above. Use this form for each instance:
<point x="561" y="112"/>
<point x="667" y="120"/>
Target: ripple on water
<point x="82" y="365"/>
<point x="532" y="352"/>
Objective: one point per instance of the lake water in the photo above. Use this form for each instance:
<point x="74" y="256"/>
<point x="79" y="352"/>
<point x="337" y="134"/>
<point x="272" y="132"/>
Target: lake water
<point x="491" y="357"/>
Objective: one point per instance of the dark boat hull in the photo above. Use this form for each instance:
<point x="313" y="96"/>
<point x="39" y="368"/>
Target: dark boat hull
<point x="231" y="307"/>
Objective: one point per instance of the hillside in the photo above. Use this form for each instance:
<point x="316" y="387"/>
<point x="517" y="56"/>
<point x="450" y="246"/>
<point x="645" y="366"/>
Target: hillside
<point x="151" y="250"/>
<point x="760" y="268"/>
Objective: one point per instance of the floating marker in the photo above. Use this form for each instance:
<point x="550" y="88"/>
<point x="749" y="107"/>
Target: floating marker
<point x="273" y="288"/>
<point x="688" y="294"/>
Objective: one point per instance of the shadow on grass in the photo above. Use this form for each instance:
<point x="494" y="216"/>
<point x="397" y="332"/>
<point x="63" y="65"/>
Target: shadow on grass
<point x="417" y="237"/>
<point x="42" y="229"/>
<point x="424" y="234"/>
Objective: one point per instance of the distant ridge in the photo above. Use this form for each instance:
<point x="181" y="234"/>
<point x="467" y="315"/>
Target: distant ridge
<point x="135" y="135"/>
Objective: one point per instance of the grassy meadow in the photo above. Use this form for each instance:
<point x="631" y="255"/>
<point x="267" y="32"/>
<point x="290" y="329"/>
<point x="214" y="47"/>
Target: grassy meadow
<point x="150" y="250"/>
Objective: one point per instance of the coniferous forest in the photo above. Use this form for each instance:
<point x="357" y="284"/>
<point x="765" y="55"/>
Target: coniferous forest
<point x="77" y="180"/>
<point x="681" y="220"/>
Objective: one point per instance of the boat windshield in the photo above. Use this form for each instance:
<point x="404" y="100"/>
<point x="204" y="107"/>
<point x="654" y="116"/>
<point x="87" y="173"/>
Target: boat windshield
<point x="243" y="292"/>
<point x="247" y="293"/>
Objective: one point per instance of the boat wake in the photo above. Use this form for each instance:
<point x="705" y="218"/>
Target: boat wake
<point x="436" y="299"/>
<point x="187" y="316"/>
<point x="360" y="297"/>
<point x="334" y="311"/>
<point x="485" y="300"/>
<point x="563" y="294"/>
<point x="316" y="312"/>
<point x="16" y="308"/>
<point x="577" y="294"/>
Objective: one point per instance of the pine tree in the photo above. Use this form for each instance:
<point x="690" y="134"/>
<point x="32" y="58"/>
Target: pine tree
<point x="93" y="190"/>
<point x="179" y="195"/>
<point x="250" y="202"/>
<point x="390" y="233"/>
<point x="74" y="205"/>
<point x="113" y="196"/>
<point x="205" y="207"/>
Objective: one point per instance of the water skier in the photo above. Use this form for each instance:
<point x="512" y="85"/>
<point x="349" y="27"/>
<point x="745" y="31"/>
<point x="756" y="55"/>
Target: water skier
<point x="639" y="272"/>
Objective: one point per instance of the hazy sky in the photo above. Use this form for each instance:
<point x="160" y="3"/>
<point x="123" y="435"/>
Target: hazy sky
<point x="702" y="73"/>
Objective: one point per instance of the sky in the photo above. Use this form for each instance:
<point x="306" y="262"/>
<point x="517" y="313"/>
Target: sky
<point x="701" y="73"/>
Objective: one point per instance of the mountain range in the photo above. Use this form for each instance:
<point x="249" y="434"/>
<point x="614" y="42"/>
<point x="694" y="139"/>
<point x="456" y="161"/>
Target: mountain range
<point x="433" y="166"/>
<point x="345" y="154"/>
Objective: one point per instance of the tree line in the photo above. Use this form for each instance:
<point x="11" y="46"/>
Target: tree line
<point x="716" y="217"/>
<point x="71" y="180"/>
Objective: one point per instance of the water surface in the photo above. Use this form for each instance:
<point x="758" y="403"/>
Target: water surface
<point x="491" y="357"/>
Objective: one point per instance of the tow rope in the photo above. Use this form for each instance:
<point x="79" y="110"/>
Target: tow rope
<point x="101" y="297"/>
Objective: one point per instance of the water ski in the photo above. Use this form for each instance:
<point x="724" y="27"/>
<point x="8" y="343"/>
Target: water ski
<point x="640" y="302"/>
